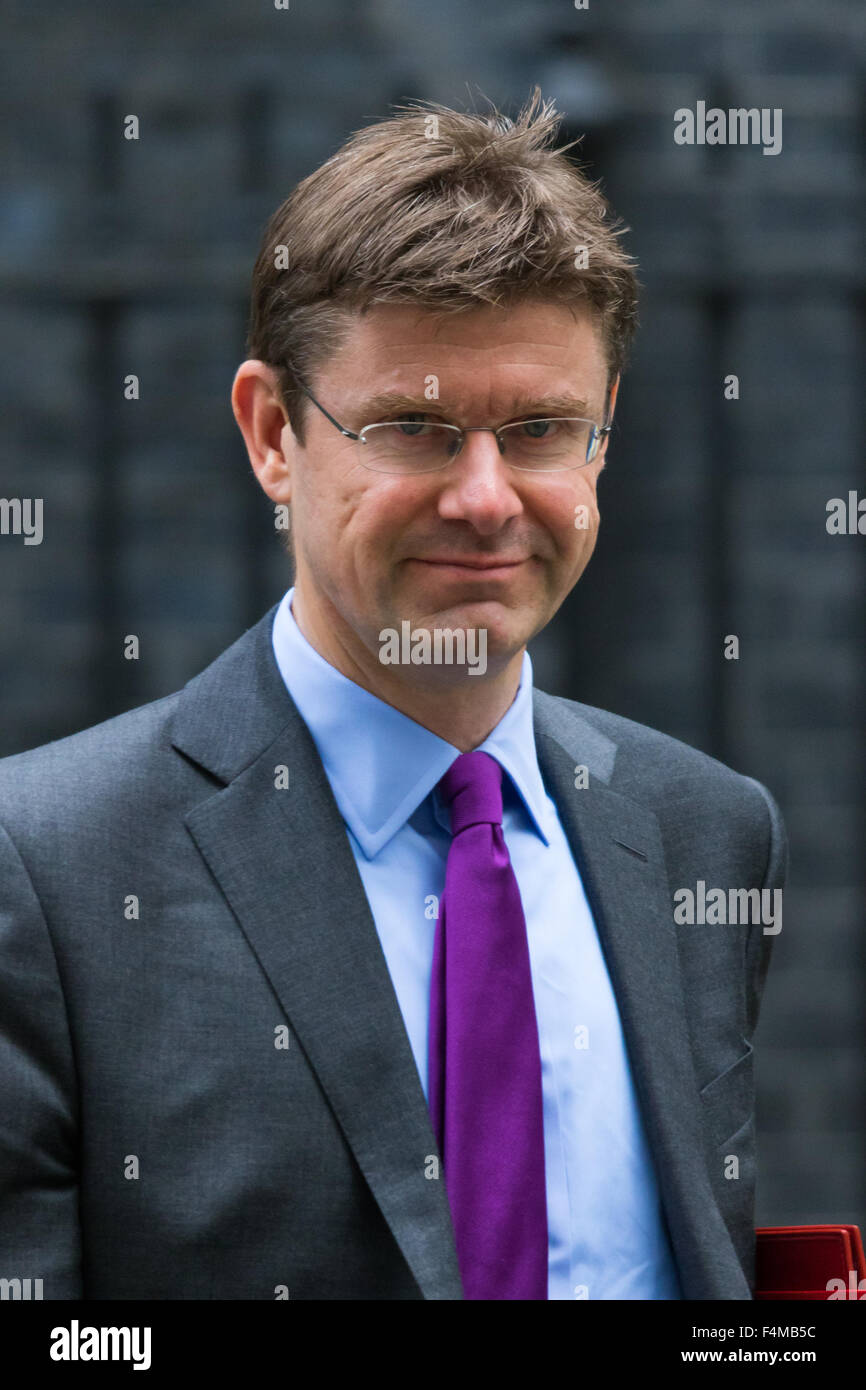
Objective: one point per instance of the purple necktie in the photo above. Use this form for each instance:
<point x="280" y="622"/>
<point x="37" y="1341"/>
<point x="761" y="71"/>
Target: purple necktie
<point x="484" y="1066"/>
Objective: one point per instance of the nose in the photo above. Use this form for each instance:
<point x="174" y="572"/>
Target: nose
<point x="478" y="486"/>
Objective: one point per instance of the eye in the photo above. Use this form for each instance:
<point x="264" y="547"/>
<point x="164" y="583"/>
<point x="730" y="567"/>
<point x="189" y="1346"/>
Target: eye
<point x="411" y="425"/>
<point x="539" y="429"/>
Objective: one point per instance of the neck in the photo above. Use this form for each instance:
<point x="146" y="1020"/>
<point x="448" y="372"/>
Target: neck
<point x="463" y="711"/>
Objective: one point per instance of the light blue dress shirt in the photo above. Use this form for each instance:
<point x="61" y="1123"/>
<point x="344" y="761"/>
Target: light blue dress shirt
<point x="606" y="1234"/>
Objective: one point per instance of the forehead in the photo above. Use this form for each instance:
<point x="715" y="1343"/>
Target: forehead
<point x="476" y="357"/>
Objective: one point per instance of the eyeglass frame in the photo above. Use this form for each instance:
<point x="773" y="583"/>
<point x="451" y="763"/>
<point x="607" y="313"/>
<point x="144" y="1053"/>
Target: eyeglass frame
<point x="461" y="430"/>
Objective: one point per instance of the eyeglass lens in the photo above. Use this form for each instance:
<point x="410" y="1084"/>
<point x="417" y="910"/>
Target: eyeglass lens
<point x="420" y="445"/>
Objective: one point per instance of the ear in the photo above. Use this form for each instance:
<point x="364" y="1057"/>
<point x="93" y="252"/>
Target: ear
<point x="262" y="420"/>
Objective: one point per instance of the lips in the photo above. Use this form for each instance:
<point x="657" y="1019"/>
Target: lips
<point x="462" y="562"/>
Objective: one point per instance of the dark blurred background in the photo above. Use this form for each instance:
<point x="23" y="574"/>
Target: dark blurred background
<point x="121" y="257"/>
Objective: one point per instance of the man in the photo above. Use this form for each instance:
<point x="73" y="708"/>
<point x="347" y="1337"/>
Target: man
<point x="354" y="969"/>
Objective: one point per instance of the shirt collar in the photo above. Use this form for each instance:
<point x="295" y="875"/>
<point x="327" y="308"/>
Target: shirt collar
<point x="380" y="763"/>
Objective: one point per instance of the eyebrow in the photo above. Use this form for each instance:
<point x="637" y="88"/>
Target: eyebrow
<point x="389" y="404"/>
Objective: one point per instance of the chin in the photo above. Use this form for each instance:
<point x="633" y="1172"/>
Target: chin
<point x="498" y="615"/>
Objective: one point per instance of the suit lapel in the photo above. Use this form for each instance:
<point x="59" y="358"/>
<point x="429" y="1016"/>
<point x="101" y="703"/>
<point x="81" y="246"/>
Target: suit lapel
<point x="618" y="849"/>
<point x="283" y="860"/>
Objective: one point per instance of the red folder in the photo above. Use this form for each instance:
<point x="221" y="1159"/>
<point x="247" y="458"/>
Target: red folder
<point x="810" y="1262"/>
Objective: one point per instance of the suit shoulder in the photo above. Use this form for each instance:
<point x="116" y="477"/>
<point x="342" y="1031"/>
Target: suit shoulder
<point x="83" y="764"/>
<point x="645" y="760"/>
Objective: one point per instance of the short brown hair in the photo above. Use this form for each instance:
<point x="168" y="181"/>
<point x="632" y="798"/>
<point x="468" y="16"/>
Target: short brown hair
<point x="484" y="212"/>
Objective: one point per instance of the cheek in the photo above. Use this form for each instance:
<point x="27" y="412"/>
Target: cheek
<point x="570" y="513"/>
<point x="585" y="508"/>
<point x="379" y="517"/>
<point x="360" y="524"/>
<point x="334" y="508"/>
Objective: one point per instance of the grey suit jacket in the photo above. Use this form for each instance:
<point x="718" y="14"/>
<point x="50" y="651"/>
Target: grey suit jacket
<point x="168" y="916"/>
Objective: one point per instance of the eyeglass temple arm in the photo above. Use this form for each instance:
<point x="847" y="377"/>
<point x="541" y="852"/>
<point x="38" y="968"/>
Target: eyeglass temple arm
<point x="350" y="434"/>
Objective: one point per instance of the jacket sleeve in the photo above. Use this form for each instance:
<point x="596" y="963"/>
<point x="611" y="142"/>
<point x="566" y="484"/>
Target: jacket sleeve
<point x="40" y="1236"/>
<point x="760" y="943"/>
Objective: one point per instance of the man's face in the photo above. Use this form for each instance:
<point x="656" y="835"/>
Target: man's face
<point x="375" y="549"/>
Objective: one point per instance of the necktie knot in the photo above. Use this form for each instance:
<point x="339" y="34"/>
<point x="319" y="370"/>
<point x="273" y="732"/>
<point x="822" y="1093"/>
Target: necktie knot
<point x="472" y="788"/>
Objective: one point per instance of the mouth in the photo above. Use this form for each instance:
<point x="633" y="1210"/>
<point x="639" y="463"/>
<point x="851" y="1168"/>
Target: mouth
<point x="474" y="569"/>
